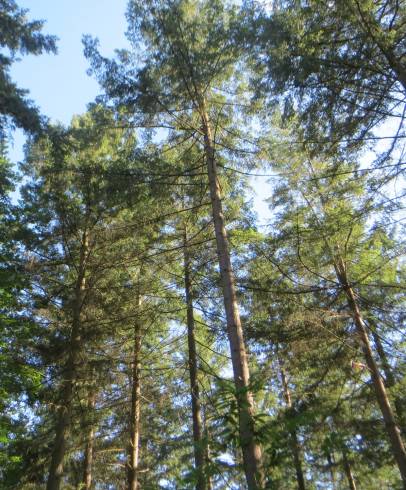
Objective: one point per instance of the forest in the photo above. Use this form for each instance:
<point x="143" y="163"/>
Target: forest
<point x="156" y="332"/>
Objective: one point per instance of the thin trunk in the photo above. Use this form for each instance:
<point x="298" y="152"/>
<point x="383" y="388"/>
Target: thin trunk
<point x="199" y="452"/>
<point x="207" y="456"/>
<point x="331" y="469"/>
<point x="252" y="454"/>
<point x="390" y="380"/>
<point x="88" y="460"/>
<point x="207" y="460"/>
<point x="134" y="447"/>
<point x="293" y="434"/>
<point x="65" y="409"/>
<point x="392" y="428"/>
<point x="348" y="472"/>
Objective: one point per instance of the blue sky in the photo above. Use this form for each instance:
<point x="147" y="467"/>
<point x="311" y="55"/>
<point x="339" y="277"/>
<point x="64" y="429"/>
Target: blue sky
<point x="58" y="84"/>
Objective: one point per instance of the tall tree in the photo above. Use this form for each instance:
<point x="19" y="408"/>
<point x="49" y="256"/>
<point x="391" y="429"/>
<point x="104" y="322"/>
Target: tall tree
<point x="346" y="254"/>
<point x="184" y="61"/>
<point x="72" y="222"/>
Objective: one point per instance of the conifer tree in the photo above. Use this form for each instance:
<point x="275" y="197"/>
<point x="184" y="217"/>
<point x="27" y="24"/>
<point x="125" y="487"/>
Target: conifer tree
<point x="184" y="60"/>
<point x="328" y="208"/>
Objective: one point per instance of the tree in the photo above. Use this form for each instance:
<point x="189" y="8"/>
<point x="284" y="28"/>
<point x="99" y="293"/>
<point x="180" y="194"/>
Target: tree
<point x="184" y="60"/>
<point x="324" y="214"/>
<point x="21" y="373"/>
<point x="70" y="222"/>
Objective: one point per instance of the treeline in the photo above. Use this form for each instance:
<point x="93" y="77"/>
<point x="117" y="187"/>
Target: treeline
<point x="154" y="334"/>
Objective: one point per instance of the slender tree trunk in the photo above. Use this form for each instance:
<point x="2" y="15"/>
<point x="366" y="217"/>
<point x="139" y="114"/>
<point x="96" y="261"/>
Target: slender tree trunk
<point x="88" y="460"/>
<point x="207" y="460"/>
<point x="392" y="428"/>
<point x="390" y="380"/>
<point x="134" y="446"/>
<point x="252" y="454"/>
<point x="199" y="451"/>
<point x="331" y="469"/>
<point x="348" y="472"/>
<point x="293" y="434"/>
<point x="65" y="409"/>
<point x="207" y="456"/>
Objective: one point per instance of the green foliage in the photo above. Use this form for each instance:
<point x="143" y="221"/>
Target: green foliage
<point x="92" y="269"/>
<point x="340" y="67"/>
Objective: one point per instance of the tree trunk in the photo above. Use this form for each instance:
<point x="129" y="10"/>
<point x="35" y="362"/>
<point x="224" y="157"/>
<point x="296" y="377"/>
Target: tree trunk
<point x="390" y="380"/>
<point x="348" y="472"/>
<point x="199" y="452"/>
<point x="331" y="469"/>
<point x="134" y="447"/>
<point x="207" y="455"/>
<point x="88" y="460"/>
<point x="293" y="434"/>
<point x="75" y="347"/>
<point x="398" y="448"/>
<point x="252" y="454"/>
<point x="207" y="460"/>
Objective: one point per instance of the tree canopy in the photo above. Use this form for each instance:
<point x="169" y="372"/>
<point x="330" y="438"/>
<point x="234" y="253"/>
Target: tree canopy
<point x="155" y="332"/>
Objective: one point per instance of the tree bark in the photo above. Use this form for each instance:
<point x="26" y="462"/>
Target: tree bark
<point x="297" y="461"/>
<point x="134" y="446"/>
<point x="88" y="459"/>
<point x="392" y="429"/>
<point x="348" y="472"/>
<point x="252" y="454"/>
<point x="199" y="452"/>
<point x="65" y="410"/>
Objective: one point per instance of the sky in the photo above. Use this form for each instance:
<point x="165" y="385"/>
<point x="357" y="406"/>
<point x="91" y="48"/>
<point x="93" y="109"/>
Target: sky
<point x="59" y="85"/>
